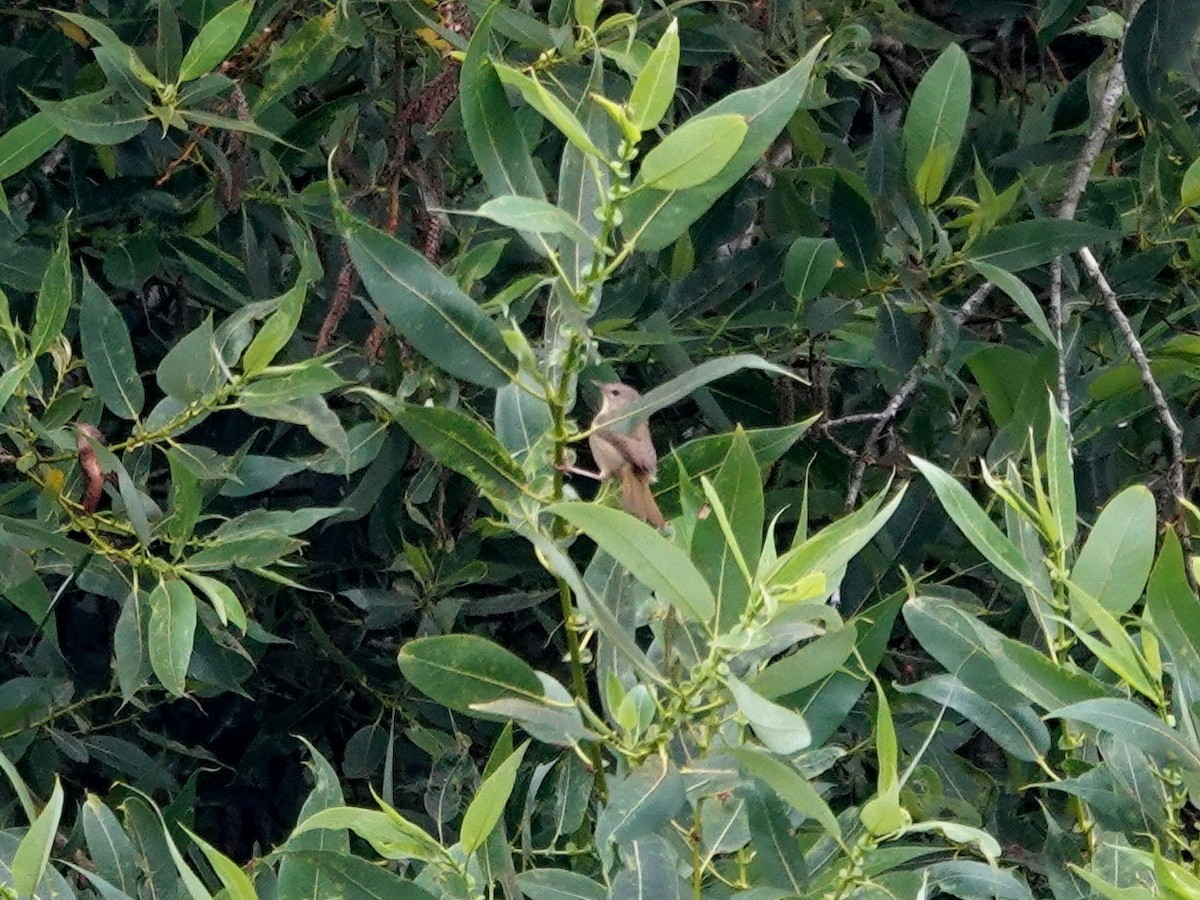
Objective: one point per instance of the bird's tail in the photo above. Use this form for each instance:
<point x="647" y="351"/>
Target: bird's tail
<point x="638" y="499"/>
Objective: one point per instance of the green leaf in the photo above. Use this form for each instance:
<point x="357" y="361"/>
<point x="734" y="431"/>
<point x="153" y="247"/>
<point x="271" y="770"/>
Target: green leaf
<point x="1017" y="730"/>
<point x="811" y="663"/>
<point x="1060" y="476"/>
<point x="553" y="720"/>
<point x="390" y="834"/>
<point x="27" y="142"/>
<point x="303" y="58"/>
<point x="974" y="523"/>
<point x="1020" y="294"/>
<point x="594" y="608"/>
<point x="521" y="420"/>
<point x="347" y="877"/>
<point x="831" y="549"/>
<point x="582" y="188"/>
<point x="121" y="78"/>
<point x="532" y="214"/>
<point x="773" y="838"/>
<point x="224" y="601"/>
<point x="640" y="804"/>
<point x="963" y="646"/>
<point x="970" y="878"/>
<point x="191" y="882"/>
<point x="192" y="369"/>
<point x="1171" y="606"/>
<point x="559" y="884"/>
<point x="313" y="413"/>
<point x="299" y="876"/>
<point x="298" y="381"/>
<point x="33" y="853"/>
<point x="659" y="217"/>
<point x="792" y="787"/>
<point x="1048" y="684"/>
<point x="121" y="52"/>
<point x="936" y="121"/>
<point x="169" y="49"/>
<point x="1134" y="725"/>
<point x="808" y="266"/>
<point x="550" y="107"/>
<point x="109" y="847"/>
<point x="853" y="224"/>
<point x="680" y="386"/>
<point x="465" y="445"/>
<point x="218" y="37"/>
<point x="1114" y="647"/>
<point x="1189" y="190"/>
<point x="108" y="353"/>
<point x="488" y="805"/>
<point x="654" y="88"/>
<point x="883" y="814"/>
<point x="651" y="870"/>
<point x="781" y="730"/>
<point x="649" y="557"/>
<point x="228" y="123"/>
<point x="445" y="325"/>
<point x="20" y="788"/>
<point x="247" y="553"/>
<point x="491" y="128"/>
<point x="172" y="631"/>
<point x="276" y="331"/>
<point x="53" y="300"/>
<point x="92" y="119"/>
<point x="692" y="154"/>
<point x="738" y="484"/>
<point x="237" y="885"/>
<point x="704" y="456"/>
<point x="1024" y="245"/>
<point x="131" y="661"/>
<point x="13" y="379"/>
<point x="1115" y="561"/>
<point x="460" y="670"/>
<point x="1159" y="41"/>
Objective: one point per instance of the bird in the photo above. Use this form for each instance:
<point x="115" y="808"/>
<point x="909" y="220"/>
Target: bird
<point x="625" y="452"/>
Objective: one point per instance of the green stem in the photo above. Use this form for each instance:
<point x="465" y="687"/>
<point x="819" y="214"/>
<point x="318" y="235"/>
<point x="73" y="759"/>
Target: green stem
<point x="579" y="682"/>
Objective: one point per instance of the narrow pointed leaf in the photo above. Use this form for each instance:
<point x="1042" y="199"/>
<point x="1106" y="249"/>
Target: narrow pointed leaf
<point x="172" y="631"/>
<point x="974" y="523"/>
<point x="108" y="353"/>
<point x="648" y="556"/>
<point x="445" y="325"/>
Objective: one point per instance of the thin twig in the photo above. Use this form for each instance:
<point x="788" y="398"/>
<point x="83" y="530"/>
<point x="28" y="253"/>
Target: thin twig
<point x="1175" y="472"/>
<point x="898" y="399"/>
<point x="852" y="419"/>
<point x="1106" y="109"/>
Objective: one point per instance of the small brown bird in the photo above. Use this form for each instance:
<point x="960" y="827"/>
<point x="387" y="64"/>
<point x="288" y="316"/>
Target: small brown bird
<point x="626" y="452"/>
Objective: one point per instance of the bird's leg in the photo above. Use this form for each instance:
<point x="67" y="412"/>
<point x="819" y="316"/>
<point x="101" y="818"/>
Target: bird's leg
<point x="575" y="470"/>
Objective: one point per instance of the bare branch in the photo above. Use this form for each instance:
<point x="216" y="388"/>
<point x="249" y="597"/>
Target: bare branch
<point x="1175" y="473"/>
<point x="884" y="418"/>
<point x="1102" y="123"/>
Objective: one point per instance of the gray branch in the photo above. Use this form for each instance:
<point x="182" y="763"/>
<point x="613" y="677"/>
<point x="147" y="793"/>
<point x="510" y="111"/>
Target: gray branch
<point x="1106" y="109"/>
<point x="1175" y="472"/>
<point x="885" y="417"/>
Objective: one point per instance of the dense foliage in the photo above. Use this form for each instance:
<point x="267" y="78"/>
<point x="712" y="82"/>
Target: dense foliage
<point x="301" y="306"/>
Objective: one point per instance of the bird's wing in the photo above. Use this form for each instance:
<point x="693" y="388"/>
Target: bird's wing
<point x="635" y="447"/>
